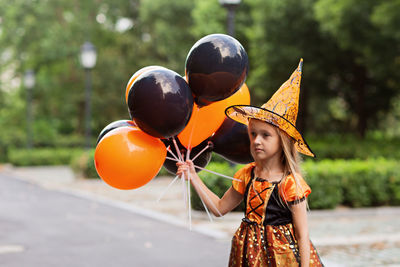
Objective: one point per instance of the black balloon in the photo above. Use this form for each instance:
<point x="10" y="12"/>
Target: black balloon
<point x="216" y="67"/>
<point x="114" y="125"/>
<point x="160" y="102"/>
<point x="231" y="141"/>
<point x="202" y="160"/>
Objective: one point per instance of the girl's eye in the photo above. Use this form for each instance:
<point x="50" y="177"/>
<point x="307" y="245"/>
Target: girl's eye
<point x="253" y="134"/>
<point x="266" y="135"/>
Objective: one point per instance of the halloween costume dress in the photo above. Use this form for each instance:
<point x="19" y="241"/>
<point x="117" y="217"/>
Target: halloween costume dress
<point x="266" y="235"/>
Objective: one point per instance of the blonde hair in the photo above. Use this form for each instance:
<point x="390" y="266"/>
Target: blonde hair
<point x="290" y="157"/>
<point x="291" y="161"/>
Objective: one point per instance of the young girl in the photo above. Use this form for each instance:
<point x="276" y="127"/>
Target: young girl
<point x="274" y="231"/>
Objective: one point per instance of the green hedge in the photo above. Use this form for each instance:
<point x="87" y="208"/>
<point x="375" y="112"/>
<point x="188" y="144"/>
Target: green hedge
<point x="325" y="147"/>
<point x="361" y="183"/>
<point x="325" y="184"/>
<point x="83" y="164"/>
<point x="350" y="147"/>
<point x="217" y="184"/>
<point x="42" y="156"/>
<point x="354" y="183"/>
<point x="3" y="153"/>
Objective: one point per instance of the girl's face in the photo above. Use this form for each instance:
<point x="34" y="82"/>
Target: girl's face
<point x="265" y="143"/>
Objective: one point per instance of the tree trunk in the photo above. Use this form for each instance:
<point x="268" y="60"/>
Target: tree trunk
<point x="359" y="85"/>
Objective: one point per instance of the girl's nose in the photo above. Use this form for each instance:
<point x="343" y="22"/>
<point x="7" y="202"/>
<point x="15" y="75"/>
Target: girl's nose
<point x="256" y="139"/>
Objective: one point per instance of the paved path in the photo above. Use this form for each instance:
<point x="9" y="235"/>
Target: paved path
<point x="41" y="228"/>
<point x="344" y="237"/>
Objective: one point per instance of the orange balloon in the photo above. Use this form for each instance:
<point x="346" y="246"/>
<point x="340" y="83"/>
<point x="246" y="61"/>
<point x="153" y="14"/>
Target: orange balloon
<point x="206" y="120"/>
<point x="127" y="158"/>
<point x="134" y="77"/>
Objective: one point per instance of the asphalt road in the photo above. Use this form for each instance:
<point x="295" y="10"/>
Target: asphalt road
<point x="40" y="228"/>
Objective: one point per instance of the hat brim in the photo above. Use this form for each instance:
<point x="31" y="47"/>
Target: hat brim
<point x="243" y="113"/>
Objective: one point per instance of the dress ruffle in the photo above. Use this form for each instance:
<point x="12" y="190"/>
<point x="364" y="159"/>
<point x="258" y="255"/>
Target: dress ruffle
<point x="266" y="236"/>
<point x="258" y="246"/>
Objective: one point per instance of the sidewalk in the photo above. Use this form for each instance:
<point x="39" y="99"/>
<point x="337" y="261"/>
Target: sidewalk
<point x="344" y="237"/>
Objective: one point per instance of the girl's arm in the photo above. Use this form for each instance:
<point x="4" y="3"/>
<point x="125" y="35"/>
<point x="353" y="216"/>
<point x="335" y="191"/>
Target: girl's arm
<point x="299" y="214"/>
<point x="217" y="206"/>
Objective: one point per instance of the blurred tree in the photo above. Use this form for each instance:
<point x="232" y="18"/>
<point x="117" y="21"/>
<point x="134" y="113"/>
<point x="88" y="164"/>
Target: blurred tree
<point x="210" y="17"/>
<point x="209" y="11"/>
<point x="165" y="28"/>
<point x="46" y="36"/>
<point x="283" y="32"/>
<point x="365" y="32"/>
<point x="351" y="51"/>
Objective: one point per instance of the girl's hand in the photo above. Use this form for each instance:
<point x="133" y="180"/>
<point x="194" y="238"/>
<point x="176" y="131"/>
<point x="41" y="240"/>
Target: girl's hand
<point x="184" y="168"/>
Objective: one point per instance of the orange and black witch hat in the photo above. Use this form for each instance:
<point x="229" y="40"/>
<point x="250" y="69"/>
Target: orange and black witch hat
<point x="281" y="110"/>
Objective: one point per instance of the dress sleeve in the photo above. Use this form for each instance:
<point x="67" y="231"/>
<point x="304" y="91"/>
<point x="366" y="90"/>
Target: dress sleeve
<point x="242" y="177"/>
<point x="294" y="192"/>
<point x="239" y="184"/>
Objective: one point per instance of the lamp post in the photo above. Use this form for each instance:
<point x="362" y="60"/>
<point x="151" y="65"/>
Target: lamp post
<point x="88" y="61"/>
<point x="29" y="83"/>
<point x="230" y="5"/>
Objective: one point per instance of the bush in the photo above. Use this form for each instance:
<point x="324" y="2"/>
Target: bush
<point x="83" y="164"/>
<point x="394" y="189"/>
<point x="3" y="153"/>
<point x="71" y="140"/>
<point x="163" y="172"/>
<point x="356" y="183"/>
<point x="42" y="156"/>
<point x="367" y="182"/>
<point x="325" y="185"/>
<point x="216" y="183"/>
<point x="350" y="147"/>
<point x="362" y="183"/>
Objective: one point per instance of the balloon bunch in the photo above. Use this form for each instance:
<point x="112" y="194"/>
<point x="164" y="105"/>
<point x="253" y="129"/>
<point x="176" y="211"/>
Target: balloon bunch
<point x="182" y="116"/>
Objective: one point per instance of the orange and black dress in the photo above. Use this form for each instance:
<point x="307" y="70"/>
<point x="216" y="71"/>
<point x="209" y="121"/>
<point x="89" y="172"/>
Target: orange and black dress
<point x="266" y="235"/>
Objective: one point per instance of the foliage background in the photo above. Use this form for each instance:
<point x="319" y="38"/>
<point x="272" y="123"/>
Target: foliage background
<point x="351" y="51"/>
<point x="350" y="97"/>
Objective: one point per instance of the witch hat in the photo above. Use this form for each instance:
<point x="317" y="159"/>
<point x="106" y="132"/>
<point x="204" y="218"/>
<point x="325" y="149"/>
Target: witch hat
<point x="281" y="111"/>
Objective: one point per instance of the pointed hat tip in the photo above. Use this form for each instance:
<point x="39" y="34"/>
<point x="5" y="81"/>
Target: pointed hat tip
<point x="301" y="65"/>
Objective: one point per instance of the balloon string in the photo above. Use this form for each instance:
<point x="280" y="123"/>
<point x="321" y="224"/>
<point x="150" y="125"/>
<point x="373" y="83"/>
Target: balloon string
<point x="202" y="201"/>
<point x="177" y="149"/>
<point x="166" y="189"/>
<point x="174" y="159"/>
<point x="185" y="195"/>
<point x="205" y="207"/>
<point x="216" y="173"/>
<point x="189" y="203"/>
<point x="172" y="153"/>
<point x="198" y="154"/>
<point x="212" y="203"/>
<point x="184" y="190"/>
<point x="188" y="153"/>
